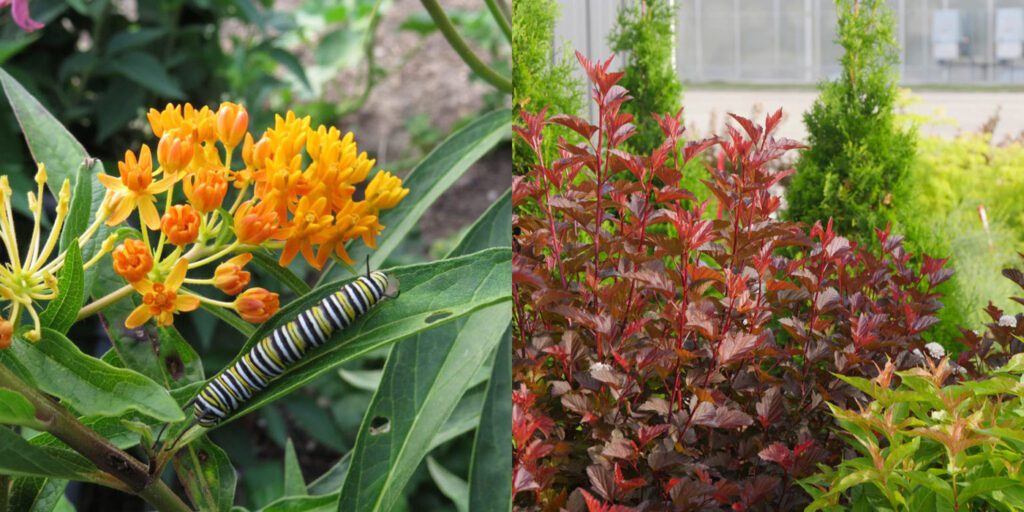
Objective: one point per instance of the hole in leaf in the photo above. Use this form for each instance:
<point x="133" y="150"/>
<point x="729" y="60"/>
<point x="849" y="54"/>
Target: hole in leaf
<point x="203" y="456"/>
<point x="379" y="425"/>
<point x="438" y="316"/>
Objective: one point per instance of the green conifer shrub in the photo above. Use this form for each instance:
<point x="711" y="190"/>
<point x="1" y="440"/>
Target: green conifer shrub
<point x="642" y="36"/>
<point x="537" y="80"/>
<point x="858" y="152"/>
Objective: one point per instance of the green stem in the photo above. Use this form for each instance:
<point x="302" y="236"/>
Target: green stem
<point x="108" y="458"/>
<point x="499" y="16"/>
<point x="103" y="302"/>
<point x="459" y="45"/>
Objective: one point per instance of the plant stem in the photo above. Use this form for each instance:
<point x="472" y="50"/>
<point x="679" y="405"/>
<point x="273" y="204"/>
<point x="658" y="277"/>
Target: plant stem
<point x="103" y="302"/>
<point x="107" y="457"/>
<point x="459" y="45"/>
<point x="499" y="16"/>
<point x="5" y="484"/>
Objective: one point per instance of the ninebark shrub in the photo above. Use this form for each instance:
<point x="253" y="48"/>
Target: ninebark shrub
<point x="858" y="154"/>
<point x="664" y="360"/>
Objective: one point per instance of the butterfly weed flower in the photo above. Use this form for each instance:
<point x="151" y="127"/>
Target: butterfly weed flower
<point x="292" y="188"/>
<point x="29" y="277"/>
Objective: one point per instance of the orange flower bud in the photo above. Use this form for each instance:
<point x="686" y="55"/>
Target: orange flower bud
<point x="205" y="190"/>
<point x="232" y="123"/>
<point x="205" y="125"/>
<point x="132" y="260"/>
<point x="255" y="223"/>
<point x="256" y="305"/>
<point x="229" y="276"/>
<point x="6" y="333"/>
<point x="175" y="151"/>
<point x="181" y="224"/>
<point x="385" y="191"/>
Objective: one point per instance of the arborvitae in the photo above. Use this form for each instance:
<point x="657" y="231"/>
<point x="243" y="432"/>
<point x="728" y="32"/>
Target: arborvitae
<point x="643" y="37"/>
<point x="538" y="81"/>
<point x="858" y="152"/>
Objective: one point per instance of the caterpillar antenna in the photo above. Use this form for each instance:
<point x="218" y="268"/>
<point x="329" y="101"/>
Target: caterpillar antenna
<point x="367" y="265"/>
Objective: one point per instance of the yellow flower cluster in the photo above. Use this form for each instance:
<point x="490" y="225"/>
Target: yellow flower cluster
<point x="293" y="190"/>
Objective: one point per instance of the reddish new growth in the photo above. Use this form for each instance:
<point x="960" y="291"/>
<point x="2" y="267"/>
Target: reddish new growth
<point x="671" y="355"/>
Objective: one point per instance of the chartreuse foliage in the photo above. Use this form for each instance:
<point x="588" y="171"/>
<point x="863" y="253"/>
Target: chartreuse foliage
<point x="962" y="200"/>
<point x="449" y="313"/>
<point x="858" y="153"/>
<point x="926" y="444"/>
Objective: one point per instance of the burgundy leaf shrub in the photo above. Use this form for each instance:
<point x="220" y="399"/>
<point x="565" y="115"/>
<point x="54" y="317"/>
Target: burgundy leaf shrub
<point x="673" y="358"/>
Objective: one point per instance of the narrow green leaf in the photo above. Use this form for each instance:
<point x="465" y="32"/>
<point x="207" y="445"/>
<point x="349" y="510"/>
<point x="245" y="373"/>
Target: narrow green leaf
<point x="90" y="386"/>
<point x="490" y="487"/>
<point x="36" y="494"/>
<point x="423" y="381"/>
<point x="450" y="484"/>
<point x="432" y="176"/>
<point x="464" y="419"/>
<point x="79" y="216"/>
<point x="424" y="378"/>
<point x="60" y="313"/>
<point x="17" y="410"/>
<point x="19" y="458"/>
<point x="51" y="144"/>
<point x="294" y="485"/>
<point x="986" y="485"/>
<point x="147" y="71"/>
<point x="366" y="380"/>
<point x="287" y="277"/>
<point x="122" y="41"/>
<point x="208" y="475"/>
<point x="492" y="229"/>
<point x="323" y="503"/>
<point x="292" y="64"/>
<point x="433" y="294"/>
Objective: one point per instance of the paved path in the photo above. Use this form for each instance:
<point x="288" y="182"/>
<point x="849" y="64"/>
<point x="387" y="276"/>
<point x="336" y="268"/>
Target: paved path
<point x="963" y="111"/>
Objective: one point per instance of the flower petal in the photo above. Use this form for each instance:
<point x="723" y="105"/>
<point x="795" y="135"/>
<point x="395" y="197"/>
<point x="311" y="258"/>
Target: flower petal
<point x="143" y="286"/>
<point x="122" y="210"/>
<point x="177" y="275"/>
<point x="186" y="303"/>
<point x="138" y="317"/>
<point x="148" y="213"/>
<point x="19" y="11"/>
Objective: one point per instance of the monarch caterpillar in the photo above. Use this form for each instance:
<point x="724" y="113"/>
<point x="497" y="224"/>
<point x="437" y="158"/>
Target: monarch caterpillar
<point x="269" y="358"/>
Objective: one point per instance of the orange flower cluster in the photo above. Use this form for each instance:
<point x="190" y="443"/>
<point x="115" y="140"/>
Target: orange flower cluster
<point x="293" y="190"/>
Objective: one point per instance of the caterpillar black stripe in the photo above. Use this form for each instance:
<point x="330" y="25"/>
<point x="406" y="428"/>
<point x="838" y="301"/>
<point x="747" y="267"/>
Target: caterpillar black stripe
<point x="287" y="344"/>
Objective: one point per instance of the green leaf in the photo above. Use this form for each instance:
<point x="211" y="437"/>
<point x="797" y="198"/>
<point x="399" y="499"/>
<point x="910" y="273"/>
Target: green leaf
<point x="366" y="380"/>
<point x="36" y="494"/>
<point x="287" y="277"/>
<point x="450" y="484"/>
<point x="432" y="294"/>
<point x="208" y="475"/>
<point x="292" y="64"/>
<point x="294" y="485"/>
<point x="78" y="217"/>
<point x="90" y="386"/>
<point x="122" y="41"/>
<point x="464" y="419"/>
<point x="146" y="70"/>
<point x="60" y="313"/>
<point x="432" y="177"/>
<point x="987" y="485"/>
<point x="423" y="381"/>
<point x="20" y="458"/>
<point x="490" y="487"/>
<point x="51" y="144"/>
<point x="17" y="410"/>
<point x="492" y="229"/>
<point x="323" y="503"/>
